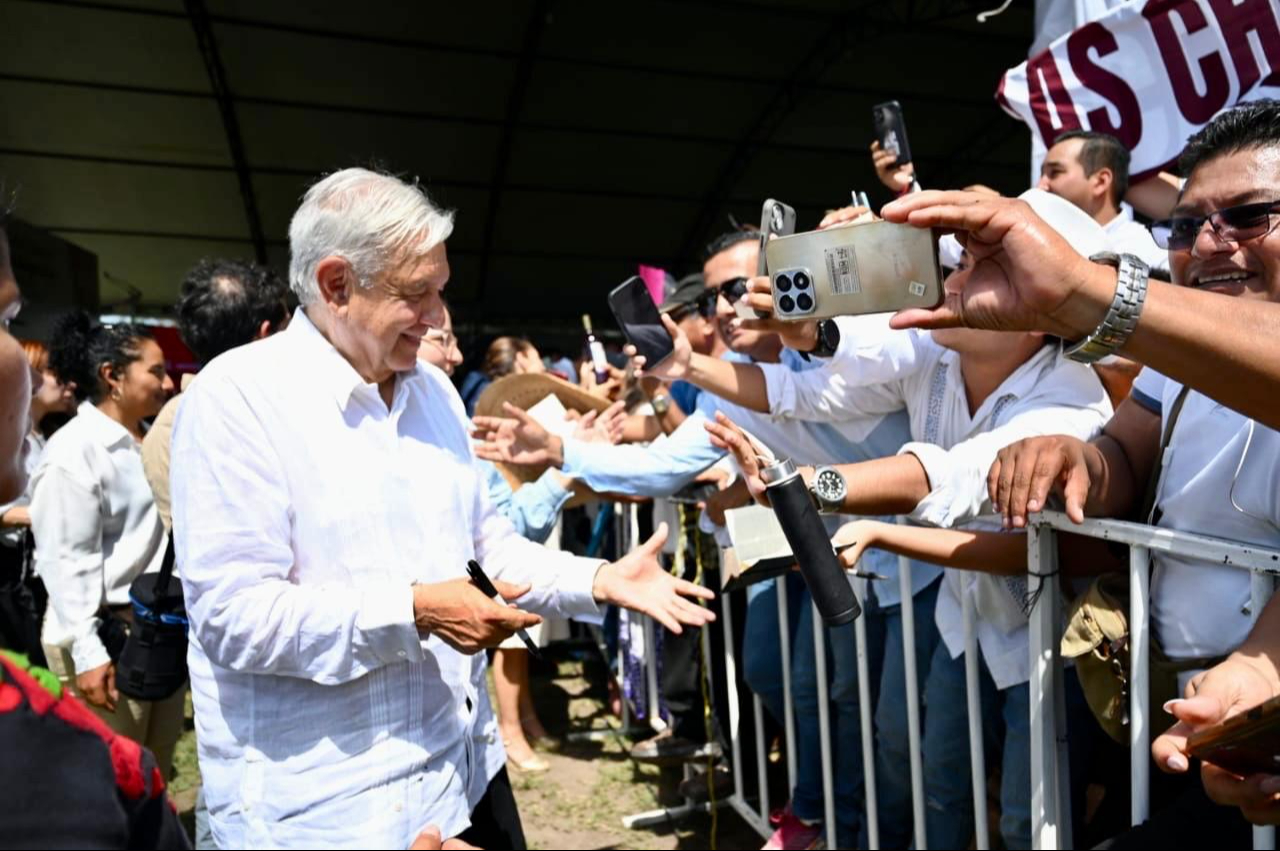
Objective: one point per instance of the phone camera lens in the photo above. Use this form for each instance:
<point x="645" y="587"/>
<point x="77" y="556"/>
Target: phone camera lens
<point x="787" y="303"/>
<point x="782" y="283"/>
<point x="804" y="302"/>
<point x="802" y="281"/>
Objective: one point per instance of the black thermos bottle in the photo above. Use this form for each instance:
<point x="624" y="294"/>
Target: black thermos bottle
<point x="798" y="516"/>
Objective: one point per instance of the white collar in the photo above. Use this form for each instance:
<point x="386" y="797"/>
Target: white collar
<point x="332" y="369"/>
<point x="1017" y="384"/>
<point x="102" y="426"/>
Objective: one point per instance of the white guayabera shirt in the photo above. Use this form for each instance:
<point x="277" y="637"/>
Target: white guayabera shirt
<point x="304" y="511"/>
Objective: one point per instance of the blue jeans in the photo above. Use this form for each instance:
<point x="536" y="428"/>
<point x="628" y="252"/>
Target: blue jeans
<point x="1006" y="726"/>
<point x="846" y="733"/>
<point x="893" y="747"/>
<point x="762" y="647"/>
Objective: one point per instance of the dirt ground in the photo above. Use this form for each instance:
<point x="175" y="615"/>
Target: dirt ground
<point x="592" y="784"/>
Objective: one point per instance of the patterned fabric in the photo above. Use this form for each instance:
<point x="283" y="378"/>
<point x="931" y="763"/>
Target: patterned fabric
<point x="61" y="760"/>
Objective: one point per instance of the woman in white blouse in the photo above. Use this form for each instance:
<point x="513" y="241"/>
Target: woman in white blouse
<point x="22" y="598"/>
<point x="95" y="521"/>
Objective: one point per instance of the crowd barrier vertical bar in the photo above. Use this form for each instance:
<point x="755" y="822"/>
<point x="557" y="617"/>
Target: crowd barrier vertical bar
<point x="735" y="710"/>
<point x="789" y="720"/>
<point x="973" y="707"/>
<point x="1052" y="600"/>
<point x="866" y="710"/>
<point x="1043" y="634"/>
<point x="913" y="699"/>
<point x="620" y="536"/>
<point x="1139" y="678"/>
<point x="762" y="756"/>
<point x="824" y="725"/>
<point x="651" y="674"/>
<point x="1262" y="586"/>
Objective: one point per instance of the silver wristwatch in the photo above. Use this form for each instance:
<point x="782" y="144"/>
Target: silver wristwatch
<point x="1122" y="316"/>
<point x="829" y="489"/>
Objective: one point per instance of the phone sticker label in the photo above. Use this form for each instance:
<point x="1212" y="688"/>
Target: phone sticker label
<point x="842" y="270"/>
<point x="917" y="289"/>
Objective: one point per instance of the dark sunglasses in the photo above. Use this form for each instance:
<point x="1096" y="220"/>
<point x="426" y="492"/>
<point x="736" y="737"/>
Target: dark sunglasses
<point x="1231" y="224"/>
<point x="733" y="289"/>
<point x="704" y="305"/>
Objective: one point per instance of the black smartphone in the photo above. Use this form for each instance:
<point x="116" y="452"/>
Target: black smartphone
<point x="640" y="321"/>
<point x="891" y="130"/>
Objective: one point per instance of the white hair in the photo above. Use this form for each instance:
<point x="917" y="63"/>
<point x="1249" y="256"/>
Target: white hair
<point x="365" y="217"/>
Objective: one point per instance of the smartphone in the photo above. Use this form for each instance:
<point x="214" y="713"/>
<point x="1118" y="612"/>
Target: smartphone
<point x="776" y="219"/>
<point x="891" y="130"/>
<point x="868" y="267"/>
<point x="1247" y="744"/>
<point x="640" y="321"/>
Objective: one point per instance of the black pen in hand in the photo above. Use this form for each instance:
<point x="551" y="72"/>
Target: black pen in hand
<point x="482" y="582"/>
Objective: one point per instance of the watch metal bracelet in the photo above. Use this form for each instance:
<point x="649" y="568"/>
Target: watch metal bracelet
<point x="1122" y="316"/>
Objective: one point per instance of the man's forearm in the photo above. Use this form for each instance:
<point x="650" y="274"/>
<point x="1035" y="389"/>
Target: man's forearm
<point x="1226" y="348"/>
<point x="740" y="383"/>
<point x="1114" y="491"/>
<point x="892" y="485"/>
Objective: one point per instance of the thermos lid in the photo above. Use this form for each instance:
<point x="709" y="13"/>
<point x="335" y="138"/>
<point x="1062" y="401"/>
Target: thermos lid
<point x="776" y="474"/>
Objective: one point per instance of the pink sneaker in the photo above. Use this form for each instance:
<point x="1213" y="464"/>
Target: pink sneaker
<point x="793" y="834"/>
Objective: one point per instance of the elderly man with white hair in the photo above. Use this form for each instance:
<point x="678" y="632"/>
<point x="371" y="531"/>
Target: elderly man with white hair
<point x="326" y="503"/>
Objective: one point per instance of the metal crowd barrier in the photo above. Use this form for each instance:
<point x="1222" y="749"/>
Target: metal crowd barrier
<point x="1050" y="794"/>
<point x="757" y="816"/>
<point x="1050" y="801"/>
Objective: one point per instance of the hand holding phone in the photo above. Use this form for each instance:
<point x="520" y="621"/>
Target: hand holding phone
<point x="1246" y="744"/>
<point x="891" y="131"/>
<point x="852" y="269"/>
<point x="640" y="321"/>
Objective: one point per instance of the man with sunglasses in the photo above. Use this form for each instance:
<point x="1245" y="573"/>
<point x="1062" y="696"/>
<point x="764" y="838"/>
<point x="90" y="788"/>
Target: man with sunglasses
<point x="1221" y="470"/>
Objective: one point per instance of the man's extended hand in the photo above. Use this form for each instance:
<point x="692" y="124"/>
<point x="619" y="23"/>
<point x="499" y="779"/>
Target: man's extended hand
<point x="726" y="435"/>
<point x="639" y="582"/>
<point x="464" y="618"/>
<point x="516" y="439"/>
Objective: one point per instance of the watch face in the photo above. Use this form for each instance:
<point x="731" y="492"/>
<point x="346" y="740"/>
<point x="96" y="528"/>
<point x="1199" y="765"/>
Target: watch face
<point x="829" y="486"/>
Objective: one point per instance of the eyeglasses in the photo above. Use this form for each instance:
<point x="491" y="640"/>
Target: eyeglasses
<point x="440" y="337"/>
<point x="733" y="289"/>
<point x="1231" y="224"/>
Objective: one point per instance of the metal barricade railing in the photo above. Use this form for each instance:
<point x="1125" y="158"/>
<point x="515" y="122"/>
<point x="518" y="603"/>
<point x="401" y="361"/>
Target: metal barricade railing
<point x="1050" y="810"/>
<point x="758" y="817"/>
<point x="1050" y="793"/>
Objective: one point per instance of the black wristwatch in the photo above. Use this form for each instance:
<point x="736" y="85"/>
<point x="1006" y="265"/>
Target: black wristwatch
<point x="828" y="340"/>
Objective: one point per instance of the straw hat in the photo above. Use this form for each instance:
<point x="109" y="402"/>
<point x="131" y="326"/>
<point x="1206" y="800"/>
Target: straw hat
<point x="525" y="391"/>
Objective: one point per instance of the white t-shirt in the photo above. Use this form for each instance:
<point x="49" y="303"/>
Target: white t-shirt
<point x="1215" y="456"/>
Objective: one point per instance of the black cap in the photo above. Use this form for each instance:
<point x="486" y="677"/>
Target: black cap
<point x="686" y="293"/>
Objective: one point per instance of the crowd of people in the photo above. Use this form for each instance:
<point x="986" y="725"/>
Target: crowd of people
<point x="331" y="492"/>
